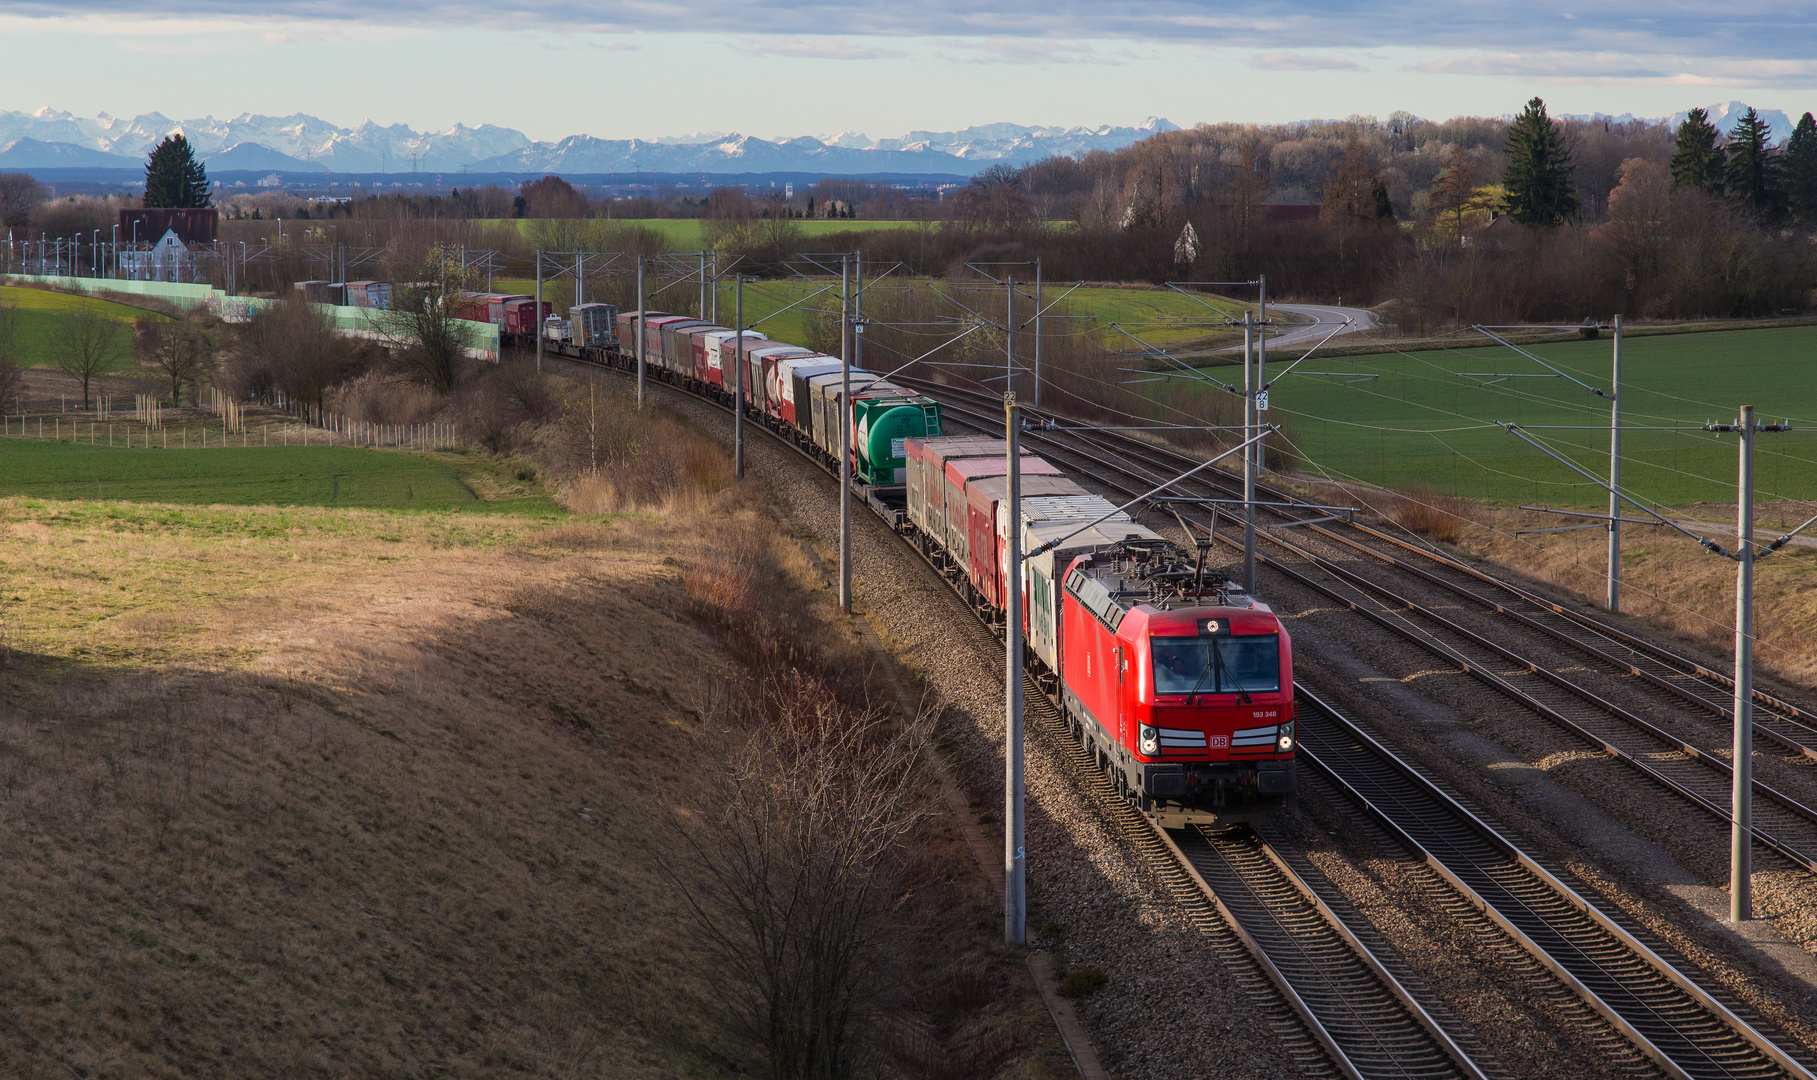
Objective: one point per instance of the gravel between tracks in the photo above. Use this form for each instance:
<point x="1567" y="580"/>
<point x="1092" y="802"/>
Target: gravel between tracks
<point x="1166" y="1010"/>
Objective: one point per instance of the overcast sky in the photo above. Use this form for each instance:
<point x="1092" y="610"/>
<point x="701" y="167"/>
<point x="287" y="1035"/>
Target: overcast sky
<point x="791" y="67"/>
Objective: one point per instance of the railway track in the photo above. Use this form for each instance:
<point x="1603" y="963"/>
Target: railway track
<point x="1367" y="1022"/>
<point x="1339" y="1009"/>
<point x="1680" y="1025"/>
<point x="1692" y="765"/>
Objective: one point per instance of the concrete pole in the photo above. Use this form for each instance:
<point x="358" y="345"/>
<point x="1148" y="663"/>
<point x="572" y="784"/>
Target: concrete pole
<point x="641" y="317"/>
<point x="738" y="385"/>
<point x="715" y="318"/>
<point x="1249" y="453"/>
<point x="580" y="278"/>
<point x="703" y="286"/>
<point x="1009" y="335"/>
<point x="1741" y="800"/>
<point x="845" y="435"/>
<point x="539" y="311"/>
<point x="1037" y="333"/>
<point x="1261" y="373"/>
<point x="1015" y="881"/>
<point x="858" y="310"/>
<point x="1615" y="473"/>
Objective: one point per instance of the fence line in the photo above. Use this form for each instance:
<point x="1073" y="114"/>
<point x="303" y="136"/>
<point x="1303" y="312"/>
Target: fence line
<point x="333" y="429"/>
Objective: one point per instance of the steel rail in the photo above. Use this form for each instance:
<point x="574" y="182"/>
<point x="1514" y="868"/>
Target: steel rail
<point x="1365" y="1021"/>
<point x="1670" y="1021"/>
<point x="1783" y="711"/>
<point x="1682" y="1027"/>
<point x="1767" y="827"/>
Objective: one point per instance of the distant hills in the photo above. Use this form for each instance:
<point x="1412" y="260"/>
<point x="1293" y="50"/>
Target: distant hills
<point x="49" y="139"/>
<point x="309" y="146"/>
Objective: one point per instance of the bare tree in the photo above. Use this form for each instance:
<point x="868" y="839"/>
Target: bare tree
<point x="88" y="344"/>
<point x="11" y="377"/>
<point x="428" y="342"/>
<point x="20" y="194"/>
<point x="796" y="878"/>
<point x="179" y="350"/>
<point x="299" y="351"/>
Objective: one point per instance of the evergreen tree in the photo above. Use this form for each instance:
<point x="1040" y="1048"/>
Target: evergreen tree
<point x="1697" y="162"/>
<point x="173" y="176"/>
<point x="1538" y="177"/>
<point x="1801" y="171"/>
<point x="1753" y="170"/>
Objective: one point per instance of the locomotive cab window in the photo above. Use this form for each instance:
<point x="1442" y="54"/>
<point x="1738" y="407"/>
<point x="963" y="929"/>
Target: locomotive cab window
<point x="1216" y="665"/>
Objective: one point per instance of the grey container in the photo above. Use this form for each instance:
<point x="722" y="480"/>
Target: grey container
<point x="593" y="326"/>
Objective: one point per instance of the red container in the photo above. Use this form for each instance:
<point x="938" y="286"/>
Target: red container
<point x="627" y="329"/>
<point x="522" y="316"/>
<point x="697" y="356"/>
<point x="961" y="472"/>
<point x="985" y="544"/>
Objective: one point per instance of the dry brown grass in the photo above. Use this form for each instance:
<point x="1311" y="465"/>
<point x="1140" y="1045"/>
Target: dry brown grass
<point x="1682" y="592"/>
<point x="307" y="792"/>
<point x="1668" y="581"/>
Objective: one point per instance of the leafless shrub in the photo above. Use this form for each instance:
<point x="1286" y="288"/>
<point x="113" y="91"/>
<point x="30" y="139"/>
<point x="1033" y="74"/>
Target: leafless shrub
<point x="292" y="346"/>
<point x="379" y="398"/>
<point x="503" y="409"/>
<point x="609" y="456"/>
<point x="1434" y="516"/>
<point x="796" y="877"/>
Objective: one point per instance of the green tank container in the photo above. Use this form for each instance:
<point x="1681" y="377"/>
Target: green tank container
<point x="881" y="425"/>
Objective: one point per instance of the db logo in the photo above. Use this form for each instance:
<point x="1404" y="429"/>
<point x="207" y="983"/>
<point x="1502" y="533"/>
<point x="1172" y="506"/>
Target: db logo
<point x="1220" y="742"/>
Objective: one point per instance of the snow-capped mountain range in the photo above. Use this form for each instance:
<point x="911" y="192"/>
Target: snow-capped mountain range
<point x="300" y="143"/>
<point x="1724" y="116"/>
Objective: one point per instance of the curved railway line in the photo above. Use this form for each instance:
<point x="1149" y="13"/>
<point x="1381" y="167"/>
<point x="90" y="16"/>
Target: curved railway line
<point x="1686" y="754"/>
<point x="1352" y="1010"/>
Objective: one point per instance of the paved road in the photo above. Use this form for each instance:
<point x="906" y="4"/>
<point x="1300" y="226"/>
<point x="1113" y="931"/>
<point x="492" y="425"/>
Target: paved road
<point x="1328" y="319"/>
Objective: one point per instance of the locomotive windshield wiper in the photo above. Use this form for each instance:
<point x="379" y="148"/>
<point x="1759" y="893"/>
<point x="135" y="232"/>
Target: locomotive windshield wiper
<point x="1193" y="697"/>
<point x="1218" y="654"/>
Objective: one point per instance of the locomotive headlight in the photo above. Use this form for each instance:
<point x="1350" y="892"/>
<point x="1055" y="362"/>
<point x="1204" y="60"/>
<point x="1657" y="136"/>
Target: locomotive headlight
<point x="1148" y="739"/>
<point x="1283" y="740"/>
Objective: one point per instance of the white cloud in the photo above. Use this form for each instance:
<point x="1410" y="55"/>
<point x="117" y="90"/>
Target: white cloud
<point x="1302" y="62"/>
<point x="830" y="49"/>
<point x="1611" y="68"/>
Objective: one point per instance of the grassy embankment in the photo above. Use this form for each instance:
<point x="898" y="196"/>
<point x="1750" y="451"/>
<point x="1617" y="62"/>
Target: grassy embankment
<point x="40" y="311"/>
<point x="367" y="792"/>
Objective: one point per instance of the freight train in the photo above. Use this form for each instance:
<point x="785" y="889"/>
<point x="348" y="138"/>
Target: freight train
<point x="1177" y="683"/>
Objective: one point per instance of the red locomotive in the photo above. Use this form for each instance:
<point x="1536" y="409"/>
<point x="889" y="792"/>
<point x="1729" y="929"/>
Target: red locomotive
<point x="1179" y="685"/>
<point x="1183" y="692"/>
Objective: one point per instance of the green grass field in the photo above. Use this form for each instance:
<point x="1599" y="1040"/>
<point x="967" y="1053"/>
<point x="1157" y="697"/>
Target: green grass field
<point x="40" y="310"/>
<point x="1425" y="422"/>
<point x="278" y="476"/>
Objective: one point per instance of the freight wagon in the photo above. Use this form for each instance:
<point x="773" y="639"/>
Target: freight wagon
<point x="1178" y="684"/>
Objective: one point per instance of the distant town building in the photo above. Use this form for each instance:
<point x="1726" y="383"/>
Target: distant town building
<point x="159" y="244"/>
<point x="169" y="259"/>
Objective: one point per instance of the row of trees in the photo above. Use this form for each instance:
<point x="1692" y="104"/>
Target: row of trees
<point x="1771" y="183"/>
